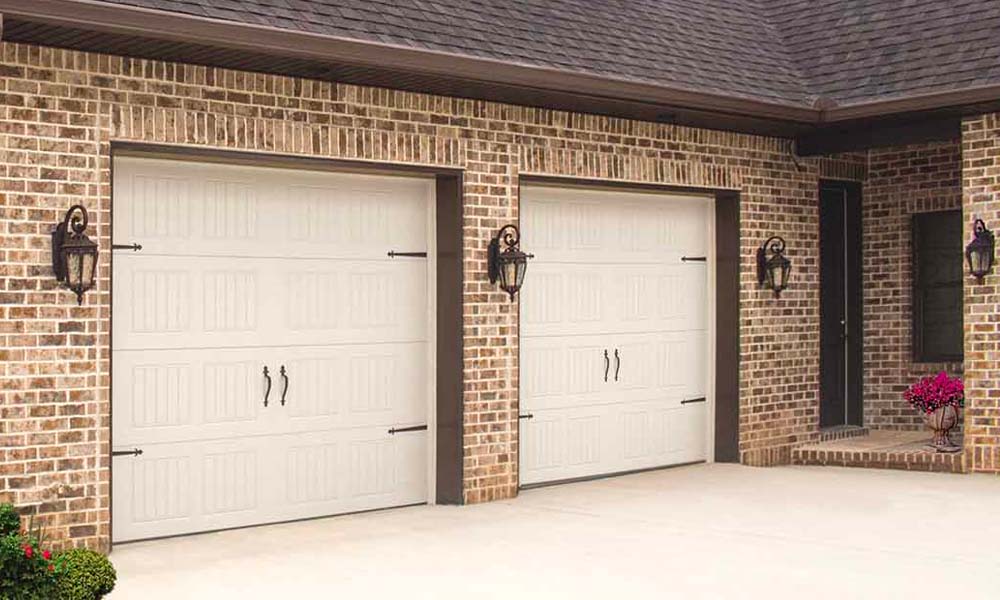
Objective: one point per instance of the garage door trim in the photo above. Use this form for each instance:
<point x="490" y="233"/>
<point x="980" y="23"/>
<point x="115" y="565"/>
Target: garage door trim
<point x="723" y="290"/>
<point x="444" y="318"/>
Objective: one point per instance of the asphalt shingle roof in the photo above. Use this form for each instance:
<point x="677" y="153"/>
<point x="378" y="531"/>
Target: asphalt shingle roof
<point x="860" y="50"/>
<point x="783" y="51"/>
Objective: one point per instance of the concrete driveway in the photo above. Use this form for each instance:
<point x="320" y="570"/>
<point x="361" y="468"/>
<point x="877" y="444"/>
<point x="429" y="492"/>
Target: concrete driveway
<point x="707" y="531"/>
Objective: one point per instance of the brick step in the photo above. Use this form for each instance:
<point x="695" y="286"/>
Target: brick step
<point x="841" y="432"/>
<point x="903" y="450"/>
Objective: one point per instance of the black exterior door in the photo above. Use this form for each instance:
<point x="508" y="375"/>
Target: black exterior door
<point x="840" y="303"/>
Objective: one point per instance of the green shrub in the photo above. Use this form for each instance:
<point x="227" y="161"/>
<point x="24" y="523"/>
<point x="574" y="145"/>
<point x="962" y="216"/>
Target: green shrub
<point x="10" y="521"/>
<point x="84" y="575"/>
<point x="26" y="571"/>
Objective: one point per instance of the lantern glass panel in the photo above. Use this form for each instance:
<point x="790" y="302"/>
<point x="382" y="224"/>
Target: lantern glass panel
<point x="980" y="258"/>
<point x="74" y="268"/>
<point x="508" y="272"/>
<point x="782" y="271"/>
<point x="89" y="265"/>
<point x="769" y="277"/>
<point x="521" y="266"/>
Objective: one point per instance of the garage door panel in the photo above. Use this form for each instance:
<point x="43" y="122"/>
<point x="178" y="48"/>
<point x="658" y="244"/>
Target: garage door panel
<point x="175" y="395"/>
<point x="182" y="208"/>
<point x="564" y="298"/>
<point x="352" y="301"/>
<point x="336" y="217"/>
<point x="578" y="225"/>
<point x="660" y="366"/>
<point x="574" y="298"/>
<point x="559" y="372"/>
<point x="164" y="302"/>
<point x="658" y="433"/>
<point x="243" y="268"/>
<point x="177" y="208"/>
<point x="353" y="471"/>
<point x="616" y="285"/>
<point x="562" y="444"/>
<point x="217" y="302"/>
<point x="574" y="442"/>
<point x="354" y="386"/>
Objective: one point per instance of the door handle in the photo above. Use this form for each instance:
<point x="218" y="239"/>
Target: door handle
<point x="267" y="392"/>
<point x="284" y="375"/>
<point x="618" y="363"/>
<point x="607" y="365"/>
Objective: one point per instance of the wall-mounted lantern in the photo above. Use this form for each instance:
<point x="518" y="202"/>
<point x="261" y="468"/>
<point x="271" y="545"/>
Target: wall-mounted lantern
<point x="508" y="265"/>
<point x="979" y="252"/>
<point x="74" y="255"/>
<point x="773" y="267"/>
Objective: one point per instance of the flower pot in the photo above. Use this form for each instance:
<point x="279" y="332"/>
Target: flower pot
<point x="942" y="420"/>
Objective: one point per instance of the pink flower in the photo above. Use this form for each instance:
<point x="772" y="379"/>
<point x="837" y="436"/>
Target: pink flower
<point x="28" y="551"/>
<point x="934" y="392"/>
<point x="46" y="555"/>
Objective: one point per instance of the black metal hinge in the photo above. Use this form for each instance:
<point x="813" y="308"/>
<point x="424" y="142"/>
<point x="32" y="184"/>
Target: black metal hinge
<point x="394" y="254"/>
<point x="694" y="258"/>
<point x="527" y="416"/>
<point x="396" y="430"/>
<point x="693" y="400"/>
<point x="133" y="452"/>
<point x="133" y="247"/>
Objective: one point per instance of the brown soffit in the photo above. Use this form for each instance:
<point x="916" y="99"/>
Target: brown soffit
<point x="185" y="28"/>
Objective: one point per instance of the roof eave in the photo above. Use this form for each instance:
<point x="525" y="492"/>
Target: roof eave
<point x="187" y="28"/>
<point x="912" y="104"/>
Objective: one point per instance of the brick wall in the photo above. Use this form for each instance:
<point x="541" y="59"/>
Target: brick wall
<point x="61" y="112"/>
<point x="981" y="199"/>
<point x="901" y="181"/>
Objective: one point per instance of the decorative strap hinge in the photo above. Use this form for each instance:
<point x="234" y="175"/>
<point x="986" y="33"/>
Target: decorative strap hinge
<point x="396" y="430"/>
<point x="132" y="452"/>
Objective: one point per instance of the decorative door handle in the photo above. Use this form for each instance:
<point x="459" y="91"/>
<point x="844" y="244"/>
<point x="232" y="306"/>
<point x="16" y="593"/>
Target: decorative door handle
<point x="607" y="365"/>
<point x="284" y="375"/>
<point x="267" y="392"/>
<point x="618" y="363"/>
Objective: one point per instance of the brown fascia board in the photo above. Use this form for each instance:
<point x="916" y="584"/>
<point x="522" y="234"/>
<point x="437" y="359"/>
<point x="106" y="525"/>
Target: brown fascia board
<point x="100" y="16"/>
<point x="912" y="104"/>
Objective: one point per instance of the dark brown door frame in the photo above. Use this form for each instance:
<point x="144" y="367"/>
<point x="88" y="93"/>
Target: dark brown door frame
<point x="841" y="308"/>
<point x="449" y="346"/>
<point x="727" y="298"/>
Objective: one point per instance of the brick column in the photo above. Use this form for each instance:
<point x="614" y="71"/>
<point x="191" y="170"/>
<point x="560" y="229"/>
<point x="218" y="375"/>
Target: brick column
<point x="981" y="199"/>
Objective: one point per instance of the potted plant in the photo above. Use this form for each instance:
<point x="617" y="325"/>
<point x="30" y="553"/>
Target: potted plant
<point x="939" y="398"/>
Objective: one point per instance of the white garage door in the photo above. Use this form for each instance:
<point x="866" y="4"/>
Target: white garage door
<point x="244" y="269"/>
<point x="614" y="335"/>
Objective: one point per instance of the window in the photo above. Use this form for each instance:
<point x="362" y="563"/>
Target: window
<point x="937" y="286"/>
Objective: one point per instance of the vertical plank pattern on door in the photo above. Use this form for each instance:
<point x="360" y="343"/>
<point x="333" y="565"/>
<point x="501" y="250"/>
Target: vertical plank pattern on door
<point x="243" y="268"/>
<point x="608" y="278"/>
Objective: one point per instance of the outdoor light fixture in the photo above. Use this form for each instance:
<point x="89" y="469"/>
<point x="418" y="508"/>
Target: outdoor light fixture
<point x="508" y="265"/>
<point x="773" y="266"/>
<point x="74" y="255"/>
<point x="979" y="252"/>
